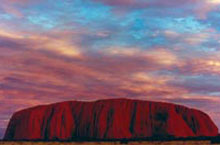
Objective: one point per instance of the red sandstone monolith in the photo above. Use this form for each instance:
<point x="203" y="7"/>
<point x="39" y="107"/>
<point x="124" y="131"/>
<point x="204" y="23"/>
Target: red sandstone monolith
<point x="108" y="119"/>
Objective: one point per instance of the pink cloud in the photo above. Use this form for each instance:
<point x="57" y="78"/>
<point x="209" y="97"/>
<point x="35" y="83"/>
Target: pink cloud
<point x="142" y="3"/>
<point x="203" y="65"/>
<point x="13" y="6"/>
<point x="12" y="10"/>
<point x="200" y="8"/>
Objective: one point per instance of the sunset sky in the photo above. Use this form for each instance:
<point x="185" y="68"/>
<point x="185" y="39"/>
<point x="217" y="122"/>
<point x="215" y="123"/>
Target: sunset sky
<point x="58" y="50"/>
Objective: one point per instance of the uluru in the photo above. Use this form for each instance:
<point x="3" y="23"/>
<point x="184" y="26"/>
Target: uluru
<point x="108" y="119"/>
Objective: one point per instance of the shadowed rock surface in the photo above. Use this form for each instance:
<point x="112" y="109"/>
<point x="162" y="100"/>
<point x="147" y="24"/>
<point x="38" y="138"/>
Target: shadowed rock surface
<point x="108" y="119"/>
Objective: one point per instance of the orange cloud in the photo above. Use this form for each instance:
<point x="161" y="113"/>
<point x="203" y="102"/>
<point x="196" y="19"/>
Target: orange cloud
<point x="61" y="44"/>
<point x="205" y="65"/>
<point x="158" y="56"/>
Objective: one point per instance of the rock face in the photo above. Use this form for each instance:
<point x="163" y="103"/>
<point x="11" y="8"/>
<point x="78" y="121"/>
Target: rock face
<point x="108" y="119"/>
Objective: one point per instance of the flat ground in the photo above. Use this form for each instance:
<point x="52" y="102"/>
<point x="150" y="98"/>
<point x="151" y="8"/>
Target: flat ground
<point x="113" y="143"/>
